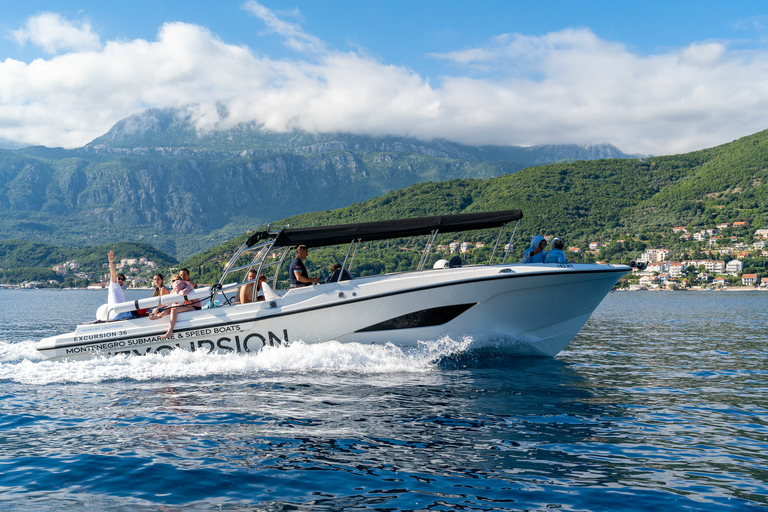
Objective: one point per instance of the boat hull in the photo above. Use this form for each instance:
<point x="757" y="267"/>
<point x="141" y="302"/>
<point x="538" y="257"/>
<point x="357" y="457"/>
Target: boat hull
<point x="538" y="309"/>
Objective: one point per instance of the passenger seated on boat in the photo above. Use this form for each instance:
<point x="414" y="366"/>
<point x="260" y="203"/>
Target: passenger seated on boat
<point x="115" y="291"/>
<point x="184" y="275"/>
<point x="160" y="288"/>
<point x="535" y="253"/>
<point x="556" y="254"/>
<point x="246" y="291"/>
<point x="159" y="291"/>
<point x="297" y="272"/>
<point x="180" y="287"/>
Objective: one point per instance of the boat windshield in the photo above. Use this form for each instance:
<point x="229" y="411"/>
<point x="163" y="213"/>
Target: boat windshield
<point x="266" y="251"/>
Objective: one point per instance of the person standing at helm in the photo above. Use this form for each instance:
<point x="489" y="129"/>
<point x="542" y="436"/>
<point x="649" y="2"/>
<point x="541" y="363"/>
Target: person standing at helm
<point x="297" y="272"/>
<point x="535" y="253"/>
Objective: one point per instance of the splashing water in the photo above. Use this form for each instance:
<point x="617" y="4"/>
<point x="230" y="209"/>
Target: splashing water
<point x="20" y="362"/>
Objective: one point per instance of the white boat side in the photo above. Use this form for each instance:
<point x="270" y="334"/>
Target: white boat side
<point x="539" y="307"/>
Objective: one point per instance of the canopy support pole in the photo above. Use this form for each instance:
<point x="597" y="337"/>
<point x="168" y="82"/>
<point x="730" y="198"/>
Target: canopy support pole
<point x="357" y="246"/>
<point x="344" y="265"/>
<point x="509" y="245"/>
<point x="428" y="248"/>
<point x="498" y="239"/>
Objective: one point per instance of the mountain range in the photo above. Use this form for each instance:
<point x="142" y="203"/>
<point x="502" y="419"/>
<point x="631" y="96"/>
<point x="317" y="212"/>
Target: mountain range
<point x="627" y="204"/>
<point x="154" y="178"/>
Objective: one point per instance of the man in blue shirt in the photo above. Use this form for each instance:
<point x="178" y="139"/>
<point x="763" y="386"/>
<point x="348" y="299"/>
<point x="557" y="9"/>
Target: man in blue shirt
<point x="297" y="272"/>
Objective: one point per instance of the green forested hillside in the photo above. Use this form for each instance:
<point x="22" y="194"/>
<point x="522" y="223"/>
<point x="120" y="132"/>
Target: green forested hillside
<point x="32" y="261"/>
<point x="584" y="201"/>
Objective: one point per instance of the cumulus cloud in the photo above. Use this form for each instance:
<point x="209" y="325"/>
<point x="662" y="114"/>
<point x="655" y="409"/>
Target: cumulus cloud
<point x="54" y="34"/>
<point x="568" y="86"/>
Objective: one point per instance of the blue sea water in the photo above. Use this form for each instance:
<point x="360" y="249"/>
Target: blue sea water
<point x="660" y="403"/>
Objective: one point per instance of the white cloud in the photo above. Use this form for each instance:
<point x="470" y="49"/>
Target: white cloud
<point x="54" y="34"/>
<point x="564" y="87"/>
<point x="295" y="37"/>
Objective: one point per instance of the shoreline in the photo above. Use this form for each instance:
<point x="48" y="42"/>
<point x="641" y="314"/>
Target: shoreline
<point x="698" y="289"/>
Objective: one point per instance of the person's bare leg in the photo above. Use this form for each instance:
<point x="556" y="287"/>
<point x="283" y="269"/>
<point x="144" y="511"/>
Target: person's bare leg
<point x="172" y="317"/>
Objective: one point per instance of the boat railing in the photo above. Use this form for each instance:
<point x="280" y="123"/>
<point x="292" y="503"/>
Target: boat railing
<point x="262" y="250"/>
<point x="264" y="267"/>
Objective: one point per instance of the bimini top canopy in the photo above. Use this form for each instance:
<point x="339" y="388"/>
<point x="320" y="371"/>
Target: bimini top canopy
<point x="385" y="229"/>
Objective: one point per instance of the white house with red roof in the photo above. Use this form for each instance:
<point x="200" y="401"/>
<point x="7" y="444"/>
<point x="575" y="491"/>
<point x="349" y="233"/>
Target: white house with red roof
<point x="750" y="279"/>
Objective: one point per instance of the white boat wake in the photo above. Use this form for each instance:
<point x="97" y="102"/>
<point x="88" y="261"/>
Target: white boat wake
<point x="21" y="363"/>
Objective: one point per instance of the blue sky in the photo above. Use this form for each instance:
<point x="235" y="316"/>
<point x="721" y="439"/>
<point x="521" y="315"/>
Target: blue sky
<point x="651" y="77"/>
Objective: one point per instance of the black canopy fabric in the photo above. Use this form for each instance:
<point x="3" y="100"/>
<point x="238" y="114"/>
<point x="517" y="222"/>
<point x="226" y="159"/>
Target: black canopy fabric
<point x="400" y="228"/>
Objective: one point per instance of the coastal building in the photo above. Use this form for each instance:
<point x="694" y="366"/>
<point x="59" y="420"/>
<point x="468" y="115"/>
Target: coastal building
<point x="713" y="266"/>
<point x="750" y="279"/>
<point x="676" y="269"/>
<point x="761" y="233"/>
<point x="739" y="224"/>
<point x="655" y="255"/>
<point x="680" y="229"/>
<point x="593" y="246"/>
<point x="719" y="282"/>
<point x="659" y="266"/>
<point x="734" y="267"/>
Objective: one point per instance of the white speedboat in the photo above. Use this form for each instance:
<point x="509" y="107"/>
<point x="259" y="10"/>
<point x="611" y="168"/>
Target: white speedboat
<point x="538" y="308"/>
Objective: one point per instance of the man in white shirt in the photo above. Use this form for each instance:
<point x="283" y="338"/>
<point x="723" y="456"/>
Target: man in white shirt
<point x="116" y="294"/>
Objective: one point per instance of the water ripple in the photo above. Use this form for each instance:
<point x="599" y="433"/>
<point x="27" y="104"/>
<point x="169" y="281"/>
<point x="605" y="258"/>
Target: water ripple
<point x="657" y="404"/>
